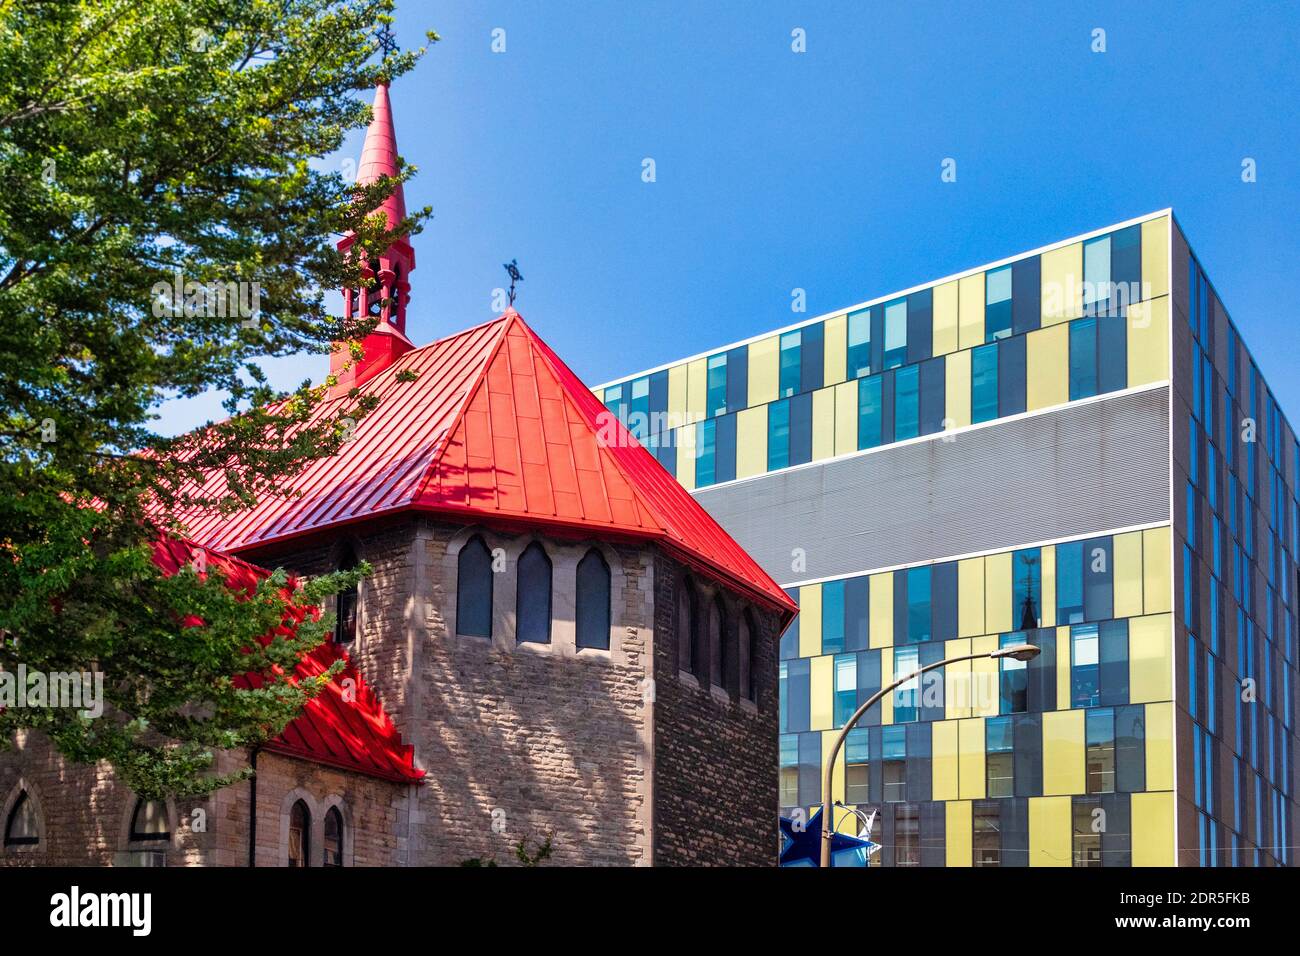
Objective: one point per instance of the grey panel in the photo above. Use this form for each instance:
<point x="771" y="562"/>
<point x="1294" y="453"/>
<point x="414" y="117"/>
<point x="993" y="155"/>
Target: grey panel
<point x="1082" y="469"/>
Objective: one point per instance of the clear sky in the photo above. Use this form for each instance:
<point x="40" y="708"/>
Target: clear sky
<point x="820" y="170"/>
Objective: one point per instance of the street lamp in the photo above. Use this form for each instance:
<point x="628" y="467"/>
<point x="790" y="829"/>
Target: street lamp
<point x="1019" y="652"/>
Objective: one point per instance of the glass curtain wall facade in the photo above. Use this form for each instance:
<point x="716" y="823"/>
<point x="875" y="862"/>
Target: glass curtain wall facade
<point x="1157" y="726"/>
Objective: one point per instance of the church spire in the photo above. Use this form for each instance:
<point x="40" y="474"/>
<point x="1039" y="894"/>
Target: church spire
<point x="386" y="299"/>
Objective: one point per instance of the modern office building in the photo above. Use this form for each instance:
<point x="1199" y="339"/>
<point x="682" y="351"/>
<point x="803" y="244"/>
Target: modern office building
<point x="1071" y="447"/>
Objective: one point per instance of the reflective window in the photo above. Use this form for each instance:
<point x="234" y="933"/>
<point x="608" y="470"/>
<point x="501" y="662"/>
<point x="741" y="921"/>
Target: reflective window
<point x="997" y="304"/>
<point x="1087" y="828"/>
<point x="716" y="398"/>
<point x="907" y="698"/>
<point x="986" y="834"/>
<point x="846" y="688"/>
<point x="859" y="344"/>
<point x="1085" y="684"/>
<point x="999" y="757"/>
<point x="593" y="601"/>
<point x="299" y="835"/>
<point x="533" y="596"/>
<point x="895" y="334"/>
<point x="857" y="753"/>
<point x="778" y="435"/>
<point x="907" y="409"/>
<point x="984" y="383"/>
<point x="149" y="821"/>
<point x="870" y="412"/>
<point x="333" y="837"/>
<point x="1100" y="732"/>
<point x="791" y="364"/>
<point x="1083" y="358"/>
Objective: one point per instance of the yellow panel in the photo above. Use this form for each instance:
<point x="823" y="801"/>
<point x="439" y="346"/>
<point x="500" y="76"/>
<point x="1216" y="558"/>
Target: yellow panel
<point x="697" y="389"/>
<point x="1160" y="746"/>
<point x="1128" y="574"/>
<point x="1148" y="342"/>
<point x="1063" y="667"/>
<point x="1051" y="837"/>
<point x="1047" y="367"/>
<point x="1153" y="828"/>
<point x="1157" y="578"/>
<point x="957" y="833"/>
<point x="810" y="620"/>
<point x="1063" y="758"/>
<point x="944" y="768"/>
<point x="997" y="593"/>
<point x="846" y="417"/>
<point x="1155" y="258"/>
<point x="763" y="367"/>
<point x="1062" y="278"/>
<point x="821" y="690"/>
<point x="946" y="336"/>
<point x="1150" y="658"/>
<point x="970" y="758"/>
<point x="886" y="675"/>
<point x="971" y="311"/>
<point x="835" y="350"/>
<point x="881" y="598"/>
<point x="970" y="597"/>
<point x="1048" y="610"/>
<point x="685" y="437"/>
<point x="677" y="396"/>
<point x="957" y="392"/>
<point x="751" y="442"/>
<point x="957" y="681"/>
<point x="823" y="424"/>
<point x="984" y="678"/>
<point x="837" y="776"/>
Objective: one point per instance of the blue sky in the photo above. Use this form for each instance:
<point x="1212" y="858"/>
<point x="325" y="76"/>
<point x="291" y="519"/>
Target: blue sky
<point x="821" y="170"/>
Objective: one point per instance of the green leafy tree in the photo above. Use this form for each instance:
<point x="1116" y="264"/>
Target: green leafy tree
<point x="144" y="142"/>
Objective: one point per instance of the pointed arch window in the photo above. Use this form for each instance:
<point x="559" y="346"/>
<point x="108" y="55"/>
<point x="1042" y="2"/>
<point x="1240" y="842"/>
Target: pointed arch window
<point x="687" y="604"/>
<point x="717" y="644"/>
<point x="474" y="589"/>
<point x="299" y="834"/>
<point x="22" y="828"/>
<point x="345" y="623"/>
<point x="149" y="822"/>
<point x="593" y="611"/>
<point x="533" y="596"/>
<point x="333" y="837"/>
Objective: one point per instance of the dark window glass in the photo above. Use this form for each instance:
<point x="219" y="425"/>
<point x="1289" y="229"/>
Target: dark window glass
<point x="474" y="589"/>
<point x="705" y="451"/>
<point x="333" y="837"/>
<point x="1083" y="358"/>
<point x="1027" y="588"/>
<point x="907" y="697"/>
<point x="906" y="403"/>
<point x="749" y="658"/>
<point x="789" y="761"/>
<point x="810" y="768"/>
<point x="798" y="713"/>
<point x="984" y="383"/>
<point x="943" y="601"/>
<point x="790" y="639"/>
<point x="857" y="754"/>
<point x="686" y="625"/>
<point x="21" y="829"/>
<point x="1069" y="583"/>
<point x="1130" y="748"/>
<point x="1112" y="353"/>
<point x="345" y="615"/>
<point x="812" y="361"/>
<point x="1011" y="376"/>
<point x="715" y="399"/>
<point x="856" y="613"/>
<point x="299" y="835"/>
<point x="719" y="659"/>
<point x="1026" y="294"/>
<point x="724" y="452"/>
<point x="1126" y="267"/>
<point x="533" y="596"/>
<point x="593" y="607"/>
<point x="870" y="412"/>
<point x="999" y="757"/>
<point x="659" y="402"/>
<point x="833" y="617"/>
<point x="1014" y="679"/>
<point x="738" y="378"/>
<point x="933" y="393"/>
<point x="1098" y="579"/>
<point x="894" y="758"/>
<point x="907" y="835"/>
<point x="920" y="325"/>
<point x="1113" y="648"/>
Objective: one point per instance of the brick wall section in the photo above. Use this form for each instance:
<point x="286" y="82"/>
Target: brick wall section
<point x="715" y="760"/>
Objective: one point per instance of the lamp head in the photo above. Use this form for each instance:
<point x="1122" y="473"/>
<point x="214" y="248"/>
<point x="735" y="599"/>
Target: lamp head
<point x="1019" y="652"/>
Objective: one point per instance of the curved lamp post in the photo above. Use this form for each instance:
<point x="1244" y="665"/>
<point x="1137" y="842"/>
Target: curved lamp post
<point x="1019" y="652"/>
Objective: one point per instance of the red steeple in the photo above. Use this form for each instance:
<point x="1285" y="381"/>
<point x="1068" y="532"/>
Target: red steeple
<point x="391" y="268"/>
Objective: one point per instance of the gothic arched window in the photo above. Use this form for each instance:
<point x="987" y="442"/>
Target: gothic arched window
<point x="533" y="596"/>
<point x="299" y="835"/>
<point x="149" y="822"/>
<point x="22" y="827"/>
<point x="333" y="837"/>
<point x="593" y="611"/>
<point x="474" y="589"/>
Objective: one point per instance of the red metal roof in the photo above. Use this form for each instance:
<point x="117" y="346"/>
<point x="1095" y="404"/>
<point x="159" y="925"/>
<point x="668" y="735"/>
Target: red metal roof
<point x="355" y="735"/>
<point x="494" y="428"/>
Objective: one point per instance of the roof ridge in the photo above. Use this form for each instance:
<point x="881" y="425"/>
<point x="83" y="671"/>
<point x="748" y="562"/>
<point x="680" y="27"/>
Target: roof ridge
<point x="435" y="454"/>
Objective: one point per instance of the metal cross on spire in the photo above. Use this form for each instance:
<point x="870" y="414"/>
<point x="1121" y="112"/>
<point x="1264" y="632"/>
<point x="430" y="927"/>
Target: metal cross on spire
<point x="385" y="40"/>
<point x="512" y="270"/>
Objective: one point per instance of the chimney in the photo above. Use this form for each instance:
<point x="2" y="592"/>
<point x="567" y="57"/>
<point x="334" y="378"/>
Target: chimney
<point x="391" y="268"/>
